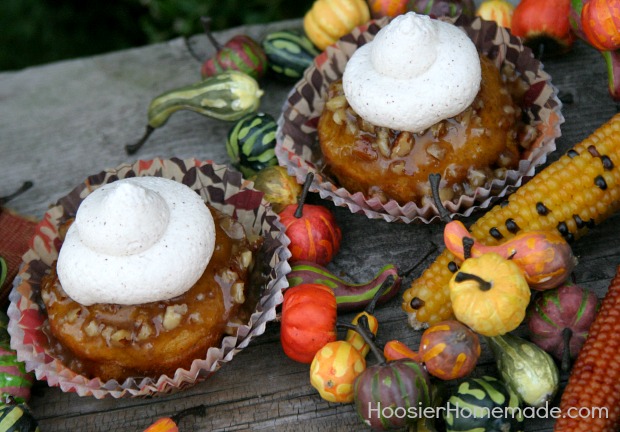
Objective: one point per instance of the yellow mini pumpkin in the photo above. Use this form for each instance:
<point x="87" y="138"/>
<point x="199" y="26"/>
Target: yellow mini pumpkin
<point x="329" y="20"/>
<point x="334" y="369"/>
<point x="489" y="294"/>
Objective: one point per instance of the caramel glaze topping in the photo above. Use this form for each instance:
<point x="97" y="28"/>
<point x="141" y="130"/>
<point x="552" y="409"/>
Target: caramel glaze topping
<point x="469" y="150"/>
<point x="119" y="341"/>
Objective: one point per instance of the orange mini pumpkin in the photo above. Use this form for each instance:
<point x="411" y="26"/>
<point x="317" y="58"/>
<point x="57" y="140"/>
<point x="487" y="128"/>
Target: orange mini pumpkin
<point x="489" y="294"/>
<point x="308" y="320"/>
<point x="334" y="369"/>
<point x="329" y="20"/>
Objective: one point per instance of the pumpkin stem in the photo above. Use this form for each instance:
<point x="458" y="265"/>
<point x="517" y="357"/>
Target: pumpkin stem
<point x="206" y="25"/>
<point x="567" y="334"/>
<point x="468" y="244"/>
<point x="434" y="180"/>
<point x="483" y="284"/>
<point x="304" y="193"/>
<point x="133" y="148"/>
<point x="23" y="188"/>
<point x="199" y="410"/>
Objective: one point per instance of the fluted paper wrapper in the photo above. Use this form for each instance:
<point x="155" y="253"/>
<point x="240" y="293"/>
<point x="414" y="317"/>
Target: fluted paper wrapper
<point x="219" y="186"/>
<point x="298" y="148"/>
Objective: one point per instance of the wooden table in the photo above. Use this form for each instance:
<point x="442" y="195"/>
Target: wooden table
<point x="64" y="121"/>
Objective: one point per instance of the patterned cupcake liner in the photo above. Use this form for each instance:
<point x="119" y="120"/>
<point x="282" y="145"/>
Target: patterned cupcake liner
<point x="298" y="149"/>
<point x="225" y="190"/>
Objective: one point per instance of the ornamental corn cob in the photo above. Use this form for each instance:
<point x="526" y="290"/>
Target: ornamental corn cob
<point x="594" y="381"/>
<point x="573" y="194"/>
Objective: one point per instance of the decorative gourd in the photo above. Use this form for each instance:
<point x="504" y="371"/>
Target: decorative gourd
<point x="558" y="321"/>
<point x="448" y="349"/>
<point x="386" y="388"/>
<point x="308" y="321"/>
<point x="600" y="21"/>
<point x="312" y="229"/>
<point x="483" y="404"/>
<point x="601" y="34"/>
<point x="289" y="54"/>
<point x="17" y="418"/>
<point x="528" y="370"/>
<point x="489" y="294"/>
<point x="251" y="143"/>
<point x="444" y="8"/>
<point x="329" y="20"/>
<point x="370" y="321"/>
<point x="15" y="381"/>
<point x="349" y="296"/>
<point x="499" y="11"/>
<point x="228" y="96"/>
<point x="280" y="189"/>
<point x="543" y="25"/>
<point x="4" y="271"/>
<point x="334" y="369"/>
<point x="169" y="424"/>
<point x="544" y="256"/>
<point x="387" y="8"/>
<point x="241" y="53"/>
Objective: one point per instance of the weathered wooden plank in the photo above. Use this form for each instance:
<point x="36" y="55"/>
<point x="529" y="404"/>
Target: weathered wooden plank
<point x="61" y="122"/>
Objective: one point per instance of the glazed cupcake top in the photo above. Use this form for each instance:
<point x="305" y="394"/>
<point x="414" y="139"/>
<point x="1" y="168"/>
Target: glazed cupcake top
<point x="135" y="241"/>
<point x="416" y="72"/>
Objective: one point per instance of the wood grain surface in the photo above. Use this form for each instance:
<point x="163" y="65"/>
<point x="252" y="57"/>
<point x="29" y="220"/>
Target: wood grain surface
<point x="62" y="122"/>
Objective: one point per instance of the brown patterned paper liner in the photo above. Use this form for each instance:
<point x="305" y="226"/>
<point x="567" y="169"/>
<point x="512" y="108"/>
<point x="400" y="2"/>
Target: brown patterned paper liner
<point x="221" y="187"/>
<point x="298" y="149"/>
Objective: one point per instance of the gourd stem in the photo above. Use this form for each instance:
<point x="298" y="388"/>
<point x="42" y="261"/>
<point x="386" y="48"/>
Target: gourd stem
<point x="133" y="148"/>
<point x="434" y="180"/>
<point x="385" y="286"/>
<point x="567" y="334"/>
<point x="199" y="410"/>
<point x="483" y="284"/>
<point x="304" y="193"/>
<point x="468" y="244"/>
<point x="364" y="332"/>
<point x="23" y="188"/>
<point x="206" y="25"/>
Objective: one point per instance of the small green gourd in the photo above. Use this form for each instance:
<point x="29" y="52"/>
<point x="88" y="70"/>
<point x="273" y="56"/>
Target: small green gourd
<point x="528" y="370"/>
<point x="289" y="54"/>
<point x="483" y="404"/>
<point x="251" y="143"/>
<point x="17" y="418"/>
<point x="227" y="96"/>
<point x="4" y="271"/>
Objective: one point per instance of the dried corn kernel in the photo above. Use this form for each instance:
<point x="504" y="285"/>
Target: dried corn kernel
<point x="589" y="176"/>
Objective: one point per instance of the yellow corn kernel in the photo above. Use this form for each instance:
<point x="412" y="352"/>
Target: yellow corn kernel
<point x="589" y="175"/>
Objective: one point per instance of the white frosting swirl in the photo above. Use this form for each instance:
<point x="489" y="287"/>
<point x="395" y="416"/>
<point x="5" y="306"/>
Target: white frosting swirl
<point x="416" y="72"/>
<point x="135" y="241"/>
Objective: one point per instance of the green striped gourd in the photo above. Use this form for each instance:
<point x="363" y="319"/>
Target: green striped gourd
<point x="251" y="143"/>
<point x="17" y="418"/>
<point x="15" y="382"/>
<point x="385" y="392"/>
<point x="4" y="271"/>
<point x="289" y="53"/>
<point x="228" y="96"/>
<point x="483" y="404"/>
